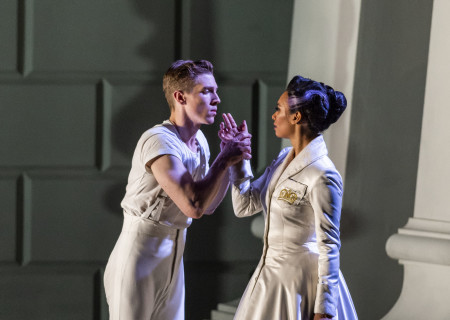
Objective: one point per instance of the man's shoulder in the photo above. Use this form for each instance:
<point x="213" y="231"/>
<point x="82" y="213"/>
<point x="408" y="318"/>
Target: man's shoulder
<point x="163" y="131"/>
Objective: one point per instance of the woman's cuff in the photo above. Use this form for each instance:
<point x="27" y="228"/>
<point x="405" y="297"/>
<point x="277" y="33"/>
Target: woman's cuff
<point x="240" y="172"/>
<point x="326" y="299"/>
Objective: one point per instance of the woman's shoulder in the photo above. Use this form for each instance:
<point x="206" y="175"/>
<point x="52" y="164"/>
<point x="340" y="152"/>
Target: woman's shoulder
<point x="320" y="170"/>
<point x="283" y="153"/>
<point x="324" y="164"/>
<point x="324" y="172"/>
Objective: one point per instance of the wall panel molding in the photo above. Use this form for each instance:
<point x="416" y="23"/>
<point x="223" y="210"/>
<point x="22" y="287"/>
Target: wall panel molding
<point x="103" y="127"/>
<point x="47" y="125"/>
<point x="259" y="129"/>
<point x="50" y="292"/>
<point x="25" y="41"/>
<point x="182" y="29"/>
<point x="8" y="217"/>
<point x="123" y="78"/>
<point x="9" y="37"/>
<point x="23" y="221"/>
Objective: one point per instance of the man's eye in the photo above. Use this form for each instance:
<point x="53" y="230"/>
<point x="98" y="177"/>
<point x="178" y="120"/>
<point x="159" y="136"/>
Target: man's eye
<point x="206" y="90"/>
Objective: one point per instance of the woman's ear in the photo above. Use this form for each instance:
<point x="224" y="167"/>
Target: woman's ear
<point x="179" y="97"/>
<point x="296" y="117"/>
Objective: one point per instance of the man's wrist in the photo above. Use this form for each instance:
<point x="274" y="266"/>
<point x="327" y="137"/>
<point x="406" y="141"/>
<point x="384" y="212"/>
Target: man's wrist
<point x="221" y="162"/>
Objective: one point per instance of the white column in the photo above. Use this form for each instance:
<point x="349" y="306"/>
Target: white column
<point x="323" y="47"/>
<point x="423" y="245"/>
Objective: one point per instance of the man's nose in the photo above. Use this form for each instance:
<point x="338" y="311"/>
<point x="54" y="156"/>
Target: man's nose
<point x="216" y="98"/>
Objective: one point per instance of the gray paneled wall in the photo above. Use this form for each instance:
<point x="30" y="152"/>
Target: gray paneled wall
<point x="79" y="82"/>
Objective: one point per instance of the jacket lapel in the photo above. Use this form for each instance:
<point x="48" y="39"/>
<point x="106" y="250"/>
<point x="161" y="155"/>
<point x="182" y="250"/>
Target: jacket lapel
<point x="313" y="151"/>
<point x="278" y="168"/>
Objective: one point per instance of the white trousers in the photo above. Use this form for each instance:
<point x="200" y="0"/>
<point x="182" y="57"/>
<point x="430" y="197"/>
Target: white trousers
<point x="144" y="277"/>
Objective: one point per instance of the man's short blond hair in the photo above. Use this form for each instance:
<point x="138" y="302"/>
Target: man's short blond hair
<point x="182" y="76"/>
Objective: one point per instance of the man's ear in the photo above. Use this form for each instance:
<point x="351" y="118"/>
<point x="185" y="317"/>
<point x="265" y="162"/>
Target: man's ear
<point x="179" y="97"/>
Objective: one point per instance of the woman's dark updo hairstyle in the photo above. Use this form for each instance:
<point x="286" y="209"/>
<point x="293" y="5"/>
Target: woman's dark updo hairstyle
<point x="319" y="105"/>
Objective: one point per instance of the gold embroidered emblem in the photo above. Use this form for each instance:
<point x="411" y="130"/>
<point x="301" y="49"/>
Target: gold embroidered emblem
<point x="287" y="195"/>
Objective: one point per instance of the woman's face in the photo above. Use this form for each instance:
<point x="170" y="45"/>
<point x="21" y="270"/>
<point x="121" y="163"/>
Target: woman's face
<point x="282" y="119"/>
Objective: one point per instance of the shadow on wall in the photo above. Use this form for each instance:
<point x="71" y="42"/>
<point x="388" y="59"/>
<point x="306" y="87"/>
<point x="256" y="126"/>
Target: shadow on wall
<point x="135" y="107"/>
<point x="145" y="105"/>
<point x="351" y="225"/>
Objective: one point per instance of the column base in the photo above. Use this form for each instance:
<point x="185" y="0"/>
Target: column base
<point x="425" y="293"/>
<point x="225" y="310"/>
<point x="423" y="247"/>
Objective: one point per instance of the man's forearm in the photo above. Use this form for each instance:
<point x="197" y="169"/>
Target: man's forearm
<point x="210" y="191"/>
<point x="223" y="188"/>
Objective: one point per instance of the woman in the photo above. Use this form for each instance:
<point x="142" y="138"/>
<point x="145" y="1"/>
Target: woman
<point x="300" y="193"/>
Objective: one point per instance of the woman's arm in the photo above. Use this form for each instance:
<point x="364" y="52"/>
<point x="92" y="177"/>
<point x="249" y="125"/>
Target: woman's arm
<point x="246" y="195"/>
<point x="326" y="201"/>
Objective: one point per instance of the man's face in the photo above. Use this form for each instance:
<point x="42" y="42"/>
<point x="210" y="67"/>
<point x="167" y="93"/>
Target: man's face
<point x="202" y="101"/>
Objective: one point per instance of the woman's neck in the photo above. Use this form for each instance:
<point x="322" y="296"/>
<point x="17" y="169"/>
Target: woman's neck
<point x="300" y="140"/>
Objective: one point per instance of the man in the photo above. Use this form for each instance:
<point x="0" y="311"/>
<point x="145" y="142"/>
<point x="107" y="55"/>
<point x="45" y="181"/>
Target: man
<point x="170" y="183"/>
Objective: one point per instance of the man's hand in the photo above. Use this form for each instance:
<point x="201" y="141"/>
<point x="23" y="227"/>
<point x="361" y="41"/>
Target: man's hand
<point x="233" y="151"/>
<point x="229" y="132"/>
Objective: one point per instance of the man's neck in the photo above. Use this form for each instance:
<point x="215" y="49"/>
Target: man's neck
<point x="186" y="129"/>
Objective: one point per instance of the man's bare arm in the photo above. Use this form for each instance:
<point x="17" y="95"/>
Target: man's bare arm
<point x="193" y="198"/>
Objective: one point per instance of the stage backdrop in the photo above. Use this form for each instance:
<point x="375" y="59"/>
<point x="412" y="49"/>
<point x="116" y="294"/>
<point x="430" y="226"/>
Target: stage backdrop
<point x="79" y="82"/>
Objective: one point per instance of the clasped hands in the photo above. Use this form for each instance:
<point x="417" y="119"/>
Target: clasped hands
<point x="235" y="141"/>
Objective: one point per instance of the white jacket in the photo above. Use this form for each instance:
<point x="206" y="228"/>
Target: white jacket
<point x="301" y="201"/>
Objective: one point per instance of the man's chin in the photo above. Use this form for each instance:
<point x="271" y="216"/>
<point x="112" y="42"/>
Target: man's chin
<point x="209" y="120"/>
